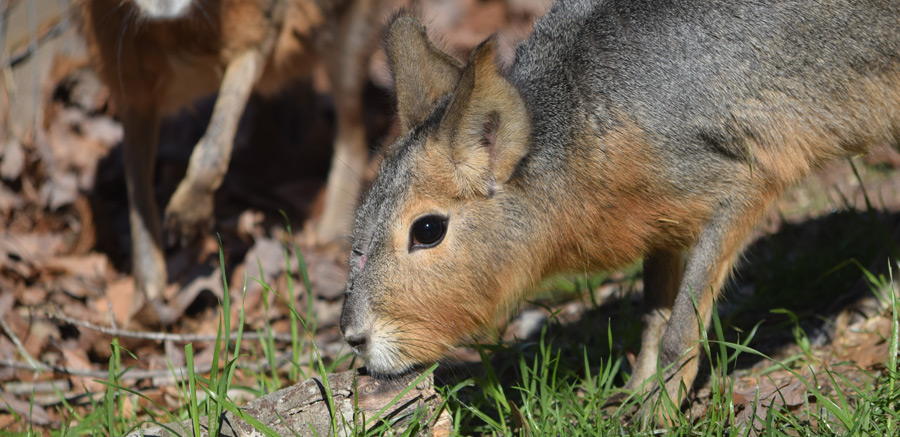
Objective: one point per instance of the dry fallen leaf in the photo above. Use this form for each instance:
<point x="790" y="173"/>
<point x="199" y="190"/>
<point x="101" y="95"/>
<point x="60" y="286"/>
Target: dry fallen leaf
<point x="120" y="293"/>
<point x="25" y="254"/>
<point x="94" y="265"/>
<point x="12" y="160"/>
<point x="33" y="413"/>
<point x="9" y="201"/>
<point x="755" y="404"/>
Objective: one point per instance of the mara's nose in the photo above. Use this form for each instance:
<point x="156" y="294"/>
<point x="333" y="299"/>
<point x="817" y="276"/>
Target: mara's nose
<point x="353" y="327"/>
<point x="353" y="332"/>
<point x="358" y="340"/>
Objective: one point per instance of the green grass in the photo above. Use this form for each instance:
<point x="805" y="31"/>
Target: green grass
<point x="547" y="394"/>
<point x="557" y="384"/>
<point x="205" y="396"/>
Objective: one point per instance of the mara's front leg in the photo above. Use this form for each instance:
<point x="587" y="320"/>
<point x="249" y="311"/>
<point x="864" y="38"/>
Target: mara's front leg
<point x="190" y="210"/>
<point x="708" y="265"/>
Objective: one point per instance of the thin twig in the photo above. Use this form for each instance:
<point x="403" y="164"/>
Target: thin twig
<point x="35" y="364"/>
<point x="31" y="8"/>
<point x="4" y="95"/>
<point x="134" y="374"/>
<point x="161" y="336"/>
<point x="75" y="398"/>
<point x="30" y="49"/>
<point x="2" y="26"/>
<point x="19" y="388"/>
<point x="98" y="374"/>
<point x="112" y="316"/>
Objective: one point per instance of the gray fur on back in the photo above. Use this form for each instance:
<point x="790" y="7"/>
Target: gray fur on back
<point x="679" y="67"/>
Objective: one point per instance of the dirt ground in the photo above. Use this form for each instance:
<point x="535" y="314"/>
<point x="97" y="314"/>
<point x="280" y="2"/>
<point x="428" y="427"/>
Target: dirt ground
<point x="65" y="285"/>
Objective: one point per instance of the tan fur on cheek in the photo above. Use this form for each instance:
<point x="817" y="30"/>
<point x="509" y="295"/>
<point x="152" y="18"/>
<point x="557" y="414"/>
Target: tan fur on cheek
<point x="425" y="323"/>
<point x="428" y="305"/>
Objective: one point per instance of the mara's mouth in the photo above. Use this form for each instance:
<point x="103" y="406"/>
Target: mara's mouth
<point x="164" y="9"/>
<point x="391" y="356"/>
<point x="384" y="360"/>
<point x="392" y="348"/>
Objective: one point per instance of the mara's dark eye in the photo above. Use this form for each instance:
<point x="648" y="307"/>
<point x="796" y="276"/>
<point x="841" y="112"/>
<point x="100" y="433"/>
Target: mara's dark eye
<point x="427" y="231"/>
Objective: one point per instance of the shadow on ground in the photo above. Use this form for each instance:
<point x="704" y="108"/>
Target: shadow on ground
<point x="810" y="269"/>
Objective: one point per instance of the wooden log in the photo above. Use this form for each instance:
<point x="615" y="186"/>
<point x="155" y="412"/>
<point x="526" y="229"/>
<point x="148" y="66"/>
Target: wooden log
<point x="303" y="409"/>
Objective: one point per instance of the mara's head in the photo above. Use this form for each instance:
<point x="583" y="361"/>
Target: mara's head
<point x="439" y="242"/>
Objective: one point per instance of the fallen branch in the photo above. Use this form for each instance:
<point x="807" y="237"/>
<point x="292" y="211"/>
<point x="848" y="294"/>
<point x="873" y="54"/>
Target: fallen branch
<point x="136" y="374"/>
<point x="38" y="35"/>
<point x="360" y="403"/>
<point x="161" y="336"/>
<point x="130" y="374"/>
<point x="32" y="363"/>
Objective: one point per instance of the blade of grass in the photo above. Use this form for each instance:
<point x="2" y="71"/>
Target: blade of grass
<point x="319" y="365"/>
<point x="304" y="274"/>
<point x="832" y="407"/>
<point x="895" y="339"/>
<point x="296" y="346"/>
<point x="193" y="410"/>
<point x="269" y="343"/>
<point x="114" y="364"/>
<point x="169" y="416"/>
<point x="237" y="340"/>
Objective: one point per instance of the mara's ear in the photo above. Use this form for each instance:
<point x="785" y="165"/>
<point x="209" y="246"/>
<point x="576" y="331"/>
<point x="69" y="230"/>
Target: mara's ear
<point x="486" y="126"/>
<point x="422" y="73"/>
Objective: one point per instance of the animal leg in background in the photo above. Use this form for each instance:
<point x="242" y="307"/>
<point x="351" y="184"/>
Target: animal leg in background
<point x="190" y="210"/>
<point x="141" y="125"/>
<point x="347" y="64"/>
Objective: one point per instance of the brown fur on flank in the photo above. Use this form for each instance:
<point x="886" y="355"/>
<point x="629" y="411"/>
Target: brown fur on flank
<point x="156" y="64"/>
<point x="625" y="129"/>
